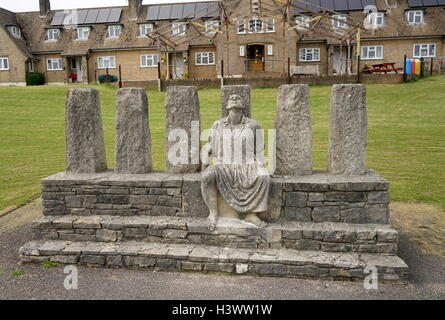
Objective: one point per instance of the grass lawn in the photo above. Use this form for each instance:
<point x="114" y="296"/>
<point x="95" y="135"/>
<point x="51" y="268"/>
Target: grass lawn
<point x="406" y="134"/>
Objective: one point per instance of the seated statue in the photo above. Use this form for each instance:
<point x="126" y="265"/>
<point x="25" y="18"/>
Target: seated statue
<point x="238" y="173"/>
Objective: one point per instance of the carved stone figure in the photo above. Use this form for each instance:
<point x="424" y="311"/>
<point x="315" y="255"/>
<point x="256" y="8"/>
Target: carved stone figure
<point x="238" y="173"/>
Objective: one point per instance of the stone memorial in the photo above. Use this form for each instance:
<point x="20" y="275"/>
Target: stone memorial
<point x="331" y="224"/>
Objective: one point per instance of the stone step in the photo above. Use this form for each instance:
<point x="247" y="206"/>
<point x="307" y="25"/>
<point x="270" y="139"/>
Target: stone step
<point x="327" y="236"/>
<point x="270" y="262"/>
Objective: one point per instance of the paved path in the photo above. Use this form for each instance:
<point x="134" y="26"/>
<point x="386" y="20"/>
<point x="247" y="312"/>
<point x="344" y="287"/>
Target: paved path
<point x="427" y="277"/>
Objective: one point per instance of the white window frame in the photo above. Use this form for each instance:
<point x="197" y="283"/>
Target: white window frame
<point x="31" y="67"/>
<point x="241" y="26"/>
<point x="372" y="50"/>
<point x="270" y="49"/>
<point x="4" y="63"/>
<point x="145" y="58"/>
<point x="51" y="64"/>
<point x="301" y="21"/>
<point x="305" y="52"/>
<point x="269" y="25"/>
<point x="114" y="31"/>
<point x="412" y="15"/>
<point x="15" y="31"/>
<point x="374" y="17"/>
<point x="242" y="51"/>
<point x="145" y="28"/>
<point x="424" y="46"/>
<point x="109" y="59"/>
<point x="199" y="58"/>
<point x="214" y="24"/>
<point x="52" y="35"/>
<point x="179" y="29"/>
<point x="258" y="26"/>
<point x="338" y="24"/>
<point x="81" y="32"/>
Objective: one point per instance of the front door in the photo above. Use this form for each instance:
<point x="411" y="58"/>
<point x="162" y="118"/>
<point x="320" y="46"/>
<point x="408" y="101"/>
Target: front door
<point x="79" y="69"/>
<point x="176" y="65"/>
<point x="339" y="60"/>
<point x="255" y="58"/>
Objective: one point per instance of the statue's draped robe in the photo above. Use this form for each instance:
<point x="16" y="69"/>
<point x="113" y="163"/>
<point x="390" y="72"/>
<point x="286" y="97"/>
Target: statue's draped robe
<point x="240" y="175"/>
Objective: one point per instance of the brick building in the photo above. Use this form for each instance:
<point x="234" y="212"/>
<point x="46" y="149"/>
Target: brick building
<point x="254" y="38"/>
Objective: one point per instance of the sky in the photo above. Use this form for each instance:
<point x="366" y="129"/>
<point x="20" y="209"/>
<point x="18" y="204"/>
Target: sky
<point x="33" y="5"/>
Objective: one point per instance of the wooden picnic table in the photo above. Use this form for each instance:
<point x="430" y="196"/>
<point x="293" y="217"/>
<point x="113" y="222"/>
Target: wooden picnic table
<point x="385" y="68"/>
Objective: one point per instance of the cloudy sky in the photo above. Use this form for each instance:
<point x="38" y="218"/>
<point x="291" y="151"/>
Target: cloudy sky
<point x="33" y="5"/>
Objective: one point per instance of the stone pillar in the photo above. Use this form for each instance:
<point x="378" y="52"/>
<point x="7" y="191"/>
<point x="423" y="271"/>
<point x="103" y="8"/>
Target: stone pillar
<point x="243" y="91"/>
<point x="182" y="129"/>
<point x="348" y="130"/>
<point x="294" y="132"/>
<point x="133" y="140"/>
<point x="85" y="148"/>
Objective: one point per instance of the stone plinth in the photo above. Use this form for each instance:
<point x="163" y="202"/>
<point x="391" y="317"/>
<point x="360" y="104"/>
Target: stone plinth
<point x="244" y="91"/>
<point x="133" y="140"/>
<point x="182" y="130"/>
<point x="348" y="130"/>
<point x="85" y="148"/>
<point x="294" y="133"/>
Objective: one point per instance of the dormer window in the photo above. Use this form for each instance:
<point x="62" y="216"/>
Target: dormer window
<point x="301" y="22"/>
<point x="337" y="21"/>
<point x="52" y="34"/>
<point x="211" y="24"/>
<point x="82" y="33"/>
<point x="415" y="17"/>
<point x="114" y="31"/>
<point x="15" y="32"/>
<point x="145" y="29"/>
<point x="376" y="19"/>
<point x="178" y="29"/>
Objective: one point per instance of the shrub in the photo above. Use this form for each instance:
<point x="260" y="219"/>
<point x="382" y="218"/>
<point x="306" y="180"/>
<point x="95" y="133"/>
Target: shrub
<point x="35" y="79"/>
<point x="103" y="78"/>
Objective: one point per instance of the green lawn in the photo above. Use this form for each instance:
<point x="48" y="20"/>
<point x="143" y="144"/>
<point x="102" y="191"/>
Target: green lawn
<point x="406" y="134"/>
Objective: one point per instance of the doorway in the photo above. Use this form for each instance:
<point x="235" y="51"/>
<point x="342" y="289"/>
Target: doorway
<point x="176" y="65"/>
<point x="255" y="58"/>
<point x="339" y="60"/>
<point x="77" y="68"/>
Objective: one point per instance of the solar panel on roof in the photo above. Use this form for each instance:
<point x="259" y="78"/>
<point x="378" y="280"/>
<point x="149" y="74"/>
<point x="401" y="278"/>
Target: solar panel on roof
<point x="176" y="12"/>
<point x="92" y="16"/>
<point x="81" y="16"/>
<point x="189" y="10"/>
<point x="316" y="3"/>
<point x="328" y="4"/>
<point x="201" y="9"/>
<point x="164" y="12"/>
<point x="355" y="5"/>
<point x="153" y="12"/>
<point x="70" y="18"/>
<point x="115" y="15"/>
<point x="103" y="15"/>
<point x="341" y="5"/>
<point x="368" y="3"/>
<point x="58" y="19"/>
<point x="213" y="10"/>
<point x="430" y="3"/>
<point x="441" y="2"/>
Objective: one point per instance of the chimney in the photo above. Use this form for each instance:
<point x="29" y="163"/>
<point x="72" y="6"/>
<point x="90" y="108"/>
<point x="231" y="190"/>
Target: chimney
<point x="133" y="9"/>
<point x="45" y="7"/>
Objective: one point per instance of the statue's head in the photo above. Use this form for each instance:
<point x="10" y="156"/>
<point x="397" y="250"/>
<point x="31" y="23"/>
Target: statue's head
<point x="235" y="101"/>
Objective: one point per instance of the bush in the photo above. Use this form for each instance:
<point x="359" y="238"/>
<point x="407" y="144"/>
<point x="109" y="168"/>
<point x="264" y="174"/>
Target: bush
<point x="35" y="79"/>
<point x="103" y="78"/>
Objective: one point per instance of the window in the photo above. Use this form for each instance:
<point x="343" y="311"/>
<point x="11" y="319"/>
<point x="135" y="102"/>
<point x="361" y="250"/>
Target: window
<point x="241" y="26"/>
<point x="205" y="58"/>
<point x="424" y="50"/>
<point x="372" y="52"/>
<point x="337" y="23"/>
<point x="309" y="54"/>
<point x="4" y="63"/>
<point x="54" y="64"/>
<point x="301" y="21"/>
<point x="106" y="62"/>
<point x="145" y="29"/>
<point x="82" y="33"/>
<point x="15" y="31"/>
<point x="31" y="66"/>
<point x="255" y="26"/>
<point x="211" y="24"/>
<point x="149" y="60"/>
<point x="415" y="16"/>
<point x="270" y="50"/>
<point x="52" y="34"/>
<point x="242" y="51"/>
<point x="114" y="31"/>
<point x="376" y="19"/>
<point x="73" y="64"/>
<point x="270" y="25"/>
<point x="178" y="29"/>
